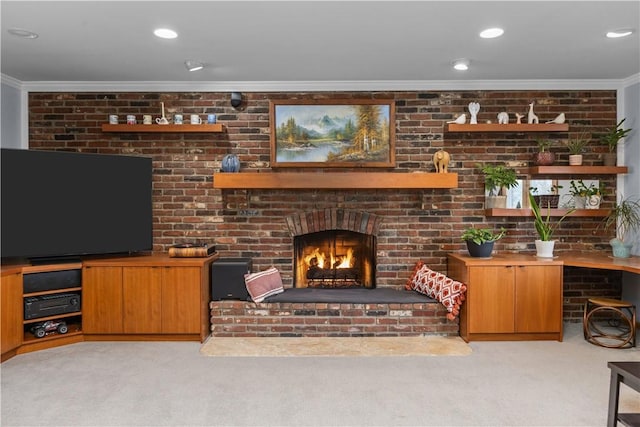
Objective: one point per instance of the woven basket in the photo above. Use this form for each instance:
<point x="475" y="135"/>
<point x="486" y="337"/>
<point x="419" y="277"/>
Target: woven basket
<point x="547" y="201"/>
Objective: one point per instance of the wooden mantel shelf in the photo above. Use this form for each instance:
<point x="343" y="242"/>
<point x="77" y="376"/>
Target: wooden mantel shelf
<point x="513" y="127"/>
<point x="333" y="180"/>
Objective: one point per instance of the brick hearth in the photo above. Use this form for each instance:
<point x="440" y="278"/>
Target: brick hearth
<point x="247" y="319"/>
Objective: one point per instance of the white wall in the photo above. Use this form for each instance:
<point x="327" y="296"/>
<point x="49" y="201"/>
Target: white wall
<point x="631" y="105"/>
<point x="12" y="120"/>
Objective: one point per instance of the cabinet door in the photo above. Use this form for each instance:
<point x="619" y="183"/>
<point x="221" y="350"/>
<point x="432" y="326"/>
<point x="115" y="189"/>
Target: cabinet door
<point x="11" y="315"/>
<point x="181" y="300"/>
<point x="142" y="287"/>
<point x="538" y="299"/>
<point x="102" y="300"/>
<point x="490" y="296"/>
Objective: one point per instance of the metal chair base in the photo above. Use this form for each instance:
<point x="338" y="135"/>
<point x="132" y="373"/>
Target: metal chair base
<point x="621" y="318"/>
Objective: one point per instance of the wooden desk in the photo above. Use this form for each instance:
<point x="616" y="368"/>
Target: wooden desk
<point x="600" y="260"/>
<point x="627" y="373"/>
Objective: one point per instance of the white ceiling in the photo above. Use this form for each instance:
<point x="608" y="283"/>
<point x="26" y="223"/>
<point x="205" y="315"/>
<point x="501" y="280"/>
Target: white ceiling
<point x="322" y="41"/>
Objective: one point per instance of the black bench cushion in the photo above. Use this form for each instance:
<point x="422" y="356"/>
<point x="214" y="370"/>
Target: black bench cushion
<point x="350" y="296"/>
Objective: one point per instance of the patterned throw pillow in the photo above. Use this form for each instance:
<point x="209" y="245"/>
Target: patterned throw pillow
<point x="263" y="284"/>
<point x="438" y="286"/>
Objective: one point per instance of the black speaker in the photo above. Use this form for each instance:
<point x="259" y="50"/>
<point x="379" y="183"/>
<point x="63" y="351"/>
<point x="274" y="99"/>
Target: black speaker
<point x="227" y="278"/>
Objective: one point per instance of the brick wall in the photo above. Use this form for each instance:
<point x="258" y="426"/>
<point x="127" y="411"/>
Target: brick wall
<point x="417" y="224"/>
<point x="238" y="318"/>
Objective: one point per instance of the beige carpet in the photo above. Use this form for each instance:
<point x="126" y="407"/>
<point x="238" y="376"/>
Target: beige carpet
<point x="335" y="346"/>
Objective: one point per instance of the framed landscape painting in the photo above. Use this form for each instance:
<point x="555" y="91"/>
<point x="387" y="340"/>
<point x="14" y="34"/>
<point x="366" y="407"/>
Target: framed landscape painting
<point x="332" y="133"/>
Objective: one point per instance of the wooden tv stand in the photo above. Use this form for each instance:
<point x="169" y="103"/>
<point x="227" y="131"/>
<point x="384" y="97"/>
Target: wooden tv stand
<point x="147" y="297"/>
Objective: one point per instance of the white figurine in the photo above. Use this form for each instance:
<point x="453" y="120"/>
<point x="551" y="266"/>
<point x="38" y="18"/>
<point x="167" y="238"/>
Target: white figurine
<point x="474" y="107"/>
<point x="460" y="120"/>
<point x="558" y="120"/>
<point x="519" y="118"/>
<point x="503" y="118"/>
<point x="532" y="118"/>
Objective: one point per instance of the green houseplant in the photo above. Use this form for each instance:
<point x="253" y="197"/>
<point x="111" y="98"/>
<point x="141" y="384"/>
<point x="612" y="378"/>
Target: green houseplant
<point x="576" y="148"/>
<point x="480" y="240"/>
<point x="611" y="139"/>
<point x="498" y="179"/>
<point x="624" y="218"/>
<point x="586" y="197"/>
<point x="545" y="228"/>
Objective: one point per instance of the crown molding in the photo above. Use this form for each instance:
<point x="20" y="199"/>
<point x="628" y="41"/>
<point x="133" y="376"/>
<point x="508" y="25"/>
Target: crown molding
<point x="318" y="86"/>
<point x="631" y="80"/>
<point x="10" y="81"/>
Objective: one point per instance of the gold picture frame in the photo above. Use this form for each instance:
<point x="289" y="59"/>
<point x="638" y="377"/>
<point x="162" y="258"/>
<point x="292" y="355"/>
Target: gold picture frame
<point x="332" y="133"/>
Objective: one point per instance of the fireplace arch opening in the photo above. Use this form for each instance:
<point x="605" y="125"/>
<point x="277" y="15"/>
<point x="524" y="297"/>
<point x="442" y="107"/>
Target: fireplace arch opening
<point x="334" y="248"/>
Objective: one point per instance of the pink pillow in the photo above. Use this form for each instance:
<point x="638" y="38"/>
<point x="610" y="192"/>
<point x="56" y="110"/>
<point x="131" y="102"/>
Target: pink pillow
<point x="438" y="286"/>
<point x="263" y="284"/>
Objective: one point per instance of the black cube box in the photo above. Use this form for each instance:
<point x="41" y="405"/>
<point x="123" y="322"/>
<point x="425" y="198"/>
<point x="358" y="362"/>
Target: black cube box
<point x="227" y="278"/>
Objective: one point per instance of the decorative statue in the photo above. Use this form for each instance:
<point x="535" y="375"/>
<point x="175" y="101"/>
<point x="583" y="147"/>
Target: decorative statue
<point x="560" y="118"/>
<point x="503" y="118"/>
<point x="519" y="118"/>
<point x="474" y="108"/>
<point x="230" y="163"/>
<point x="441" y="161"/>
<point x="531" y="117"/>
<point x="460" y="120"/>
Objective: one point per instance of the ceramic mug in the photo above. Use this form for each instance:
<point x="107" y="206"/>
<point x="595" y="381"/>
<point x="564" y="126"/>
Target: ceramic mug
<point x="146" y="119"/>
<point x="195" y="119"/>
<point x="131" y="119"/>
<point x="177" y="119"/>
<point x="113" y="119"/>
<point x="211" y="119"/>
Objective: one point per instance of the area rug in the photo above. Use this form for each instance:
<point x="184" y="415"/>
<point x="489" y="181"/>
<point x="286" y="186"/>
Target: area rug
<point x="432" y="345"/>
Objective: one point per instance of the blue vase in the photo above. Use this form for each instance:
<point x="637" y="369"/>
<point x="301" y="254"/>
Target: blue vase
<point x="620" y="249"/>
<point x="230" y="163"/>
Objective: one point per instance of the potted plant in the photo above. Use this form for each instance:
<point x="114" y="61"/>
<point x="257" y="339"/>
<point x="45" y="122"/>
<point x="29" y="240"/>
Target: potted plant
<point x="576" y="148"/>
<point x="611" y="139"/>
<point x="497" y="180"/>
<point x="624" y="217"/>
<point x="480" y="240"/>
<point x="544" y="157"/>
<point x="545" y="228"/>
<point x="586" y="197"/>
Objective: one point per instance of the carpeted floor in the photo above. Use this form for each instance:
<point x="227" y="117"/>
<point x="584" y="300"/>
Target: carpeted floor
<point x="335" y="346"/>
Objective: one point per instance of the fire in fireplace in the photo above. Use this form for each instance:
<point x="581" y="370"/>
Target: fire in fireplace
<point x="334" y="259"/>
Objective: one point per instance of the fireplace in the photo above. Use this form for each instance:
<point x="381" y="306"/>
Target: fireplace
<point x="334" y="259"/>
<point x="334" y="248"/>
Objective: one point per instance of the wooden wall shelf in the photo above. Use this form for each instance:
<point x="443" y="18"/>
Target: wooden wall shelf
<point x="576" y="170"/>
<point x="552" y="212"/>
<point x="542" y="127"/>
<point x="333" y="180"/>
<point x="204" y="128"/>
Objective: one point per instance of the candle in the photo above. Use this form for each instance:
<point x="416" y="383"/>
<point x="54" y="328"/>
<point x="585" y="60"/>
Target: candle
<point x="162" y="103"/>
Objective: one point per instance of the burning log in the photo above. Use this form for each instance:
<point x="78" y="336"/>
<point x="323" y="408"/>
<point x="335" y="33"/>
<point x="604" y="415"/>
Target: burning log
<point x="316" y="273"/>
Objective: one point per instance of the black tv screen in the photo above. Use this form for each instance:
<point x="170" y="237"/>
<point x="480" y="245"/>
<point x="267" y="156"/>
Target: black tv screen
<point x="65" y="204"/>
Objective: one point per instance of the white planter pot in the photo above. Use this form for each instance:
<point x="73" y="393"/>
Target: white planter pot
<point x="592" y="202"/>
<point x="496" y="202"/>
<point x="575" y="159"/>
<point x="544" y="248"/>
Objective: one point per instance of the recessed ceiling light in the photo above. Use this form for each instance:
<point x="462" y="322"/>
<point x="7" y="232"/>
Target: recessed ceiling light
<point x="491" y="33"/>
<point x="165" y="33"/>
<point x="619" y="33"/>
<point x="22" y="33"/>
<point x="461" y="64"/>
<point x="193" y="65"/>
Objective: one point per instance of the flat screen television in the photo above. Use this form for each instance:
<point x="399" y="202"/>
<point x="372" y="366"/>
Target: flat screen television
<point x="59" y="204"/>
